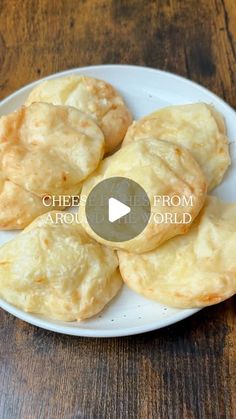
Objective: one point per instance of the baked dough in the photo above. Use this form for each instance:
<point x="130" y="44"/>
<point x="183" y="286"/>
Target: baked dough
<point x="19" y="207"/>
<point x="194" y="270"/>
<point x="49" y="149"/>
<point x="92" y="96"/>
<point x="161" y="169"/>
<point x="198" y="127"/>
<point x="57" y="270"/>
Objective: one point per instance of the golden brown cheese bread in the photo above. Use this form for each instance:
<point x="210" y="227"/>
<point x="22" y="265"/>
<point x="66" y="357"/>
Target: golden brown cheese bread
<point x="161" y="169"/>
<point x="194" y="270"/>
<point x="92" y="96"/>
<point x="57" y="270"/>
<point x="19" y="207"/>
<point x="49" y="149"/>
<point x="198" y="127"/>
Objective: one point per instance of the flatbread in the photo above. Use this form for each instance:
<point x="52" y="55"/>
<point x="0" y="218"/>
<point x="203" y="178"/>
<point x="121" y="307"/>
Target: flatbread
<point x="161" y="169"/>
<point x="58" y="271"/>
<point x="92" y="96"/>
<point x="198" y="127"/>
<point x="49" y="149"/>
<point x="19" y="207"/>
<point x="194" y="270"/>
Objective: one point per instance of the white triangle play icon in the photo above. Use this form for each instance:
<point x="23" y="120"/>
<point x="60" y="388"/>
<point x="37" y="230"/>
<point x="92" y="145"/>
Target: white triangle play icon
<point x="116" y="209"/>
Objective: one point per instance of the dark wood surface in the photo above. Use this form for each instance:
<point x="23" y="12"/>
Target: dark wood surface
<point x="187" y="370"/>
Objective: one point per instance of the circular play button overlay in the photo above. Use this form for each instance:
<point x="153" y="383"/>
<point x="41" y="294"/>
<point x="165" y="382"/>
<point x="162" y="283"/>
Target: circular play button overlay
<point x="118" y="209"/>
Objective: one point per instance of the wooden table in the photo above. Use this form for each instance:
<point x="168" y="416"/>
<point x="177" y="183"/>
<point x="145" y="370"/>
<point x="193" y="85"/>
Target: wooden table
<point x="187" y="370"/>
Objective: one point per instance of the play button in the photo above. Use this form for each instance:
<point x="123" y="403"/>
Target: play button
<point x="117" y="209"/>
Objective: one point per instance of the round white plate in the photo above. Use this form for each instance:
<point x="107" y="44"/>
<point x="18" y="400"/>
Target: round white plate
<point x="144" y="90"/>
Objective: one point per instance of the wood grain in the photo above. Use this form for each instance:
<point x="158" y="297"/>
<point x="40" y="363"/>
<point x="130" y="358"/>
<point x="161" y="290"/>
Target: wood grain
<point x="187" y="370"/>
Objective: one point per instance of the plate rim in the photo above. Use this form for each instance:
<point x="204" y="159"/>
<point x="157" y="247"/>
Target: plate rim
<point x="49" y="325"/>
<point x="77" y="331"/>
<point x="121" y="66"/>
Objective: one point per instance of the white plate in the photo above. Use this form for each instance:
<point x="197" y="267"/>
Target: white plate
<point x="145" y="90"/>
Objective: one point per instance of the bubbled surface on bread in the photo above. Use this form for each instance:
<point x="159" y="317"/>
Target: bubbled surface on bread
<point x="161" y="168"/>
<point x="92" y="96"/>
<point x="49" y="149"/>
<point x="194" y="270"/>
<point x="58" y="271"/>
<point x="198" y="127"/>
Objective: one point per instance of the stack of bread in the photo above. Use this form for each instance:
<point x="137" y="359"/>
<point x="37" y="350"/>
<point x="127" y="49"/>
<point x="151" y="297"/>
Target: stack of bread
<point x="55" y="145"/>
